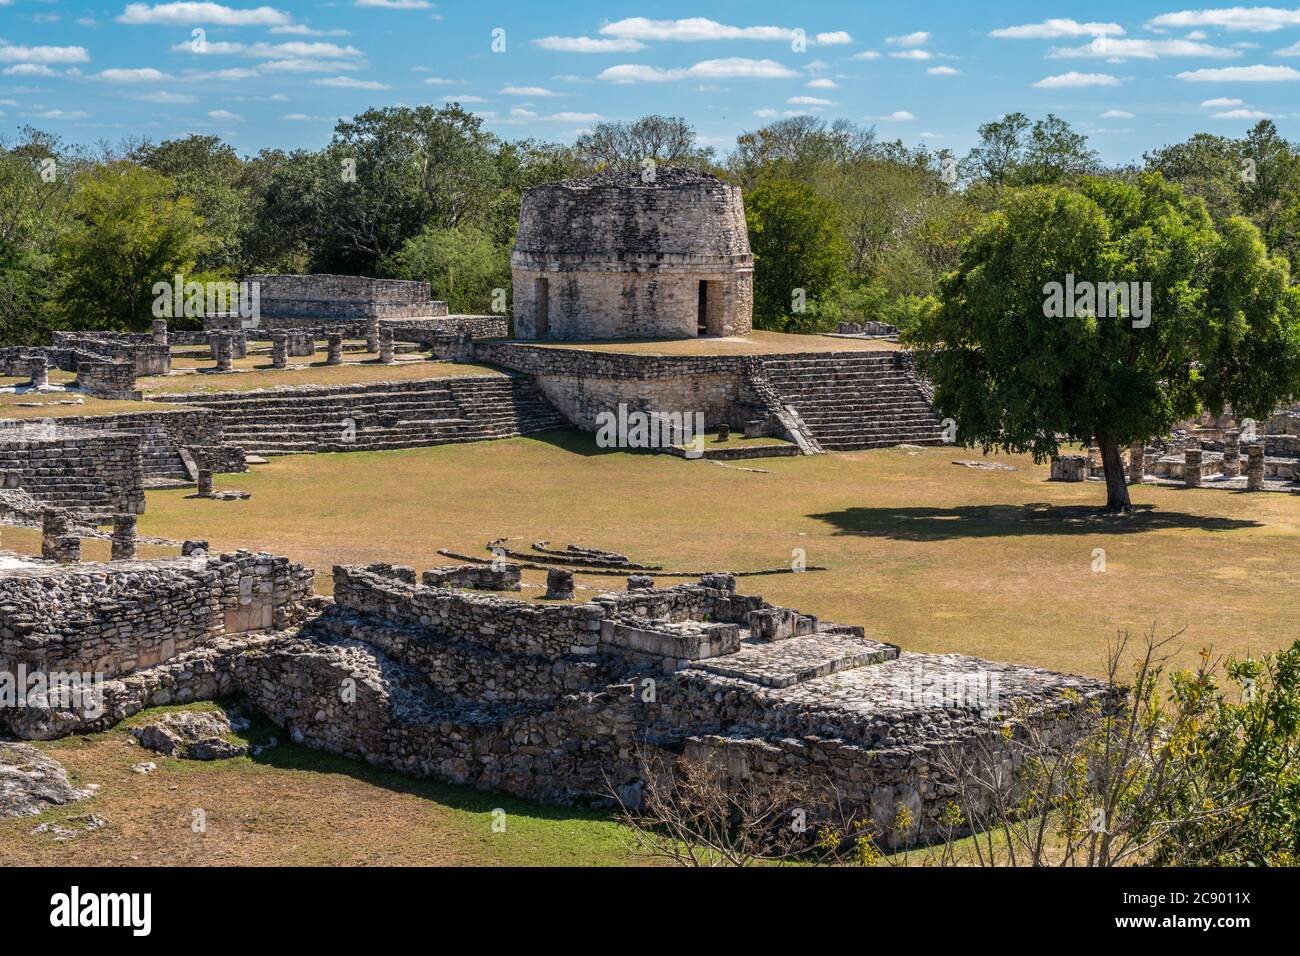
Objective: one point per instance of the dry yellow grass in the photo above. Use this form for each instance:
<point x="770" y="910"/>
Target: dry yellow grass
<point x="318" y="373"/>
<point x="49" y="405"/>
<point x="924" y="553"/>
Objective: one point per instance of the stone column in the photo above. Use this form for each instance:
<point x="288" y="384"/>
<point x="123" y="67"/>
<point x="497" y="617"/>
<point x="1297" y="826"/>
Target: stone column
<point x="39" y="367"/>
<point x="214" y="344"/>
<point x="1094" y="461"/>
<point x="1255" y="468"/>
<point x="159" y="330"/>
<point x="221" y="351"/>
<point x="1231" y="453"/>
<point x="372" y="334"/>
<point x="279" y="350"/>
<point x="239" y="345"/>
<point x="56" y="543"/>
<point x="124" y="537"/>
<point x="205" y="482"/>
<point x="335" y="349"/>
<point x="724" y="431"/>
<point x="301" y="344"/>
<point x="11" y="479"/>
<point x="559" y="584"/>
<point x="385" y="345"/>
<point x="1137" y="463"/>
<point x="1192" y="467"/>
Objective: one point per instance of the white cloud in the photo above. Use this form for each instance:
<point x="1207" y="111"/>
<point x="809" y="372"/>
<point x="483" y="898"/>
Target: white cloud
<point x="395" y="4"/>
<point x="1056" y="29"/>
<point x="1223" y="101"/>
<point x="1074" y="79"/>
<point x="1292" y="50"/>
<point x="834" y="38"/>
<point x="898" y="116"/>
<point x="146" y="74"/>
<point x="13" y="53"/>
<point x="466" y="98"/>
<point x="690" y="30"/>
<point x="766" y="113"/>
<point x="304" y="118"/>
<point x="913" y="55"/>
<point x="1249" y="19"/>
<point x="867" y="55"/>
<point x="573" y="118"/>
<point x="304" y="65"/>
<point x="822" y="83"/>
<point x="271" y="51"/>
<point x="28" y="69"/>
<point x="233" y="73"/>
<point x="729" y="67"/>
<point x="441" y="81"/>
<point x="526" y="91"/>
<point x="1117" y="114"/>
<point x="1241" y="74"/>
<point x="1242" y="114"/>
<point x="162" y="96"/>
<point x="61" y="114"/>
<point x="1115" y="50"/>
<point x="809" y="101"/>
<point x="187" y="14"/>
<point x="919" y="38"/>
<point x="942" y="71"/>
<point x="590" y="44"/>
<point x="302" y="30"/>
<point x="225" y="116"/>
<point x="351" y="83"/>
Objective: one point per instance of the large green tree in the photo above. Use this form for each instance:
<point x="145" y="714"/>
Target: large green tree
<point x="799" y="256"/>
<point x="1019" y="373"/>
<point x="128" y="230"/>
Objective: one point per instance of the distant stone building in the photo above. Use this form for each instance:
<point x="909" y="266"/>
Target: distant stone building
<point x="615" y="257"/>
<point x="346" y="304"/>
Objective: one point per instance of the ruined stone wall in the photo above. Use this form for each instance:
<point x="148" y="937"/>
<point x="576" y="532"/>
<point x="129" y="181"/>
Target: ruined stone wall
<point x="75" y="468"/>
<point x="137" y="348"/>
<point x="584" y="384"/>
<point x="118" y="618"/>
<point x="114" y="619"/>
<point x="108" y="379"/>
<point x="433" y="331"/>
<point x="514" y="627"/>
<point x="334" y="297"/>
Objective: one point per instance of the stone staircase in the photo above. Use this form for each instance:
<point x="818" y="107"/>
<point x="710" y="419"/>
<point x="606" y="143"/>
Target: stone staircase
<point x="855" y="400"/>
<point x="159" y="455"/>
<point x="381" y="416"/>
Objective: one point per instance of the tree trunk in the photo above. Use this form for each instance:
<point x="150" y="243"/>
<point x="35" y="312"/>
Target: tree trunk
<point x="1117" y="499"/>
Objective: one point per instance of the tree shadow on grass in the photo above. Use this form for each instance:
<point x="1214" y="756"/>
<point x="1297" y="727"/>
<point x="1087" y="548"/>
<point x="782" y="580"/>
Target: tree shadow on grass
<point x="999" y="521"/>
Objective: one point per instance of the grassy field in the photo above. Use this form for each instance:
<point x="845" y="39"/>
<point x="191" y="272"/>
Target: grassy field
<point x="922" y="552"/>
<point x="756" y="343"/>
<point x="290" y="806"/>
<point x="260" y="376"/>
<point x="48" y="406"/>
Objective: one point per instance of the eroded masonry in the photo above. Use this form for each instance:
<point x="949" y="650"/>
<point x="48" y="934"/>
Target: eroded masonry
<point x="452" y="674"/>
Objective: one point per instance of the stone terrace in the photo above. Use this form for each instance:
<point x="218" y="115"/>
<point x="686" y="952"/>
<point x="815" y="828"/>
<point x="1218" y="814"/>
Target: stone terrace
<point x="383" y="415"/>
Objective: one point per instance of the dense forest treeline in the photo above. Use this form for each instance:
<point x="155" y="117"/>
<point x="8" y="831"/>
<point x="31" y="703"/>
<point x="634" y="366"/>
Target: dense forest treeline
<point x="866" y="228"/>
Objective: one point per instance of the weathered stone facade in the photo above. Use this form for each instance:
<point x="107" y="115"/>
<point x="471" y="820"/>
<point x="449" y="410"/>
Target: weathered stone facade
<point x="615" y="256"/>
<point x="76" y="468"/>
<point x="331" y="303"/>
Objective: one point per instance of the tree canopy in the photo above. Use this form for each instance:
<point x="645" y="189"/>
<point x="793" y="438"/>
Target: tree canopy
<point x="1222" y="322"/>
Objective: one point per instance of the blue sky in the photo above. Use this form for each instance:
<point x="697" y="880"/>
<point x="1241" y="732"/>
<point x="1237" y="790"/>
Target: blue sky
<point x="1133" y="75"/>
